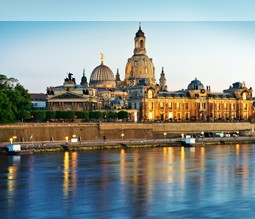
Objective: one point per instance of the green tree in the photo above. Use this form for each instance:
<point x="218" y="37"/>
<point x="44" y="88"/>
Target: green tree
<point x="6" y="113"/>
<point x="82" y="114"/>
<point x="104" y="115"/>
<point x="68" y="114"/>
<point x="38" y="115"/>
<point x="50" y="114"/>
<point x="17" y="100"/>
<point x="122" y="115"/>
<point x="112" y="115"/>
<point x="95" y="115"/>
<point x="59" y="114"/>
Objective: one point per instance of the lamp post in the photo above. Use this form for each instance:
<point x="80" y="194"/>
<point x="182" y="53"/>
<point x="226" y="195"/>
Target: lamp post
<point x="122" y="135"/>
<point x="11" y="140"/>
<point x="14" y="138"/>
<point x="66" y="139"/>
<point x="165" y="135"/>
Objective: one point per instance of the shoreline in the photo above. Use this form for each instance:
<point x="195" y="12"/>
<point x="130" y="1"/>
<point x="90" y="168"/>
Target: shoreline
<point x="38" y="147"/>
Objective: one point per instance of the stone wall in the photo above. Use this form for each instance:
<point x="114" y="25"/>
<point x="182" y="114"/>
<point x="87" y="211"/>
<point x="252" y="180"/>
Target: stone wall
<point x="96" y="131"/>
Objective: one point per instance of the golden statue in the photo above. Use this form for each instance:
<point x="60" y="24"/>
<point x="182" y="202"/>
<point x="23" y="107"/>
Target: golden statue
<point x="150" y="81"/>
<point x="102" y="58"/>
<point x="244" y="84"/>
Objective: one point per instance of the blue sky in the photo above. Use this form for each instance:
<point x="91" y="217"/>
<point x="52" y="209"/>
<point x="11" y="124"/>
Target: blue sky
<point x="214" y="43"/>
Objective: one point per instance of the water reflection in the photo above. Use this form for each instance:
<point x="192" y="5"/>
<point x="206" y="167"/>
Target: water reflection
<point x="202" y="182"/>
<point x="69" y="172"/>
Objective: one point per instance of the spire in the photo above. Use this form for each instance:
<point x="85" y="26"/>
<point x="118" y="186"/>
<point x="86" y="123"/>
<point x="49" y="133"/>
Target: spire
<point x="117" y="78"/>
<point x="83" y="71"/>
<point x="162" y="81"/>
<point x="140" y="26"/>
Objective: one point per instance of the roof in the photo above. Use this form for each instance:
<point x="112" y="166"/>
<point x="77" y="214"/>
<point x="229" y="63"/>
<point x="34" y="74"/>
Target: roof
<point x="38" y="96"/>
<point x="175" y="94"/>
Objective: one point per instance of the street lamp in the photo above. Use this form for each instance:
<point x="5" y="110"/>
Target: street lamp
<point x="165" y="135"/>
<point x="14" y="138"/>
<point x="66" y="139"/>
<point x="122" y="135"/>
<point x="11" y="140"/>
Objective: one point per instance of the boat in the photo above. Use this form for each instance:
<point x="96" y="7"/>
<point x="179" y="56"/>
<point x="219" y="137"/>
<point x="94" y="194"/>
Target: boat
<point x="15" y="149"/>
<point x="66" y="147"/>
<point x="188" y="141"/>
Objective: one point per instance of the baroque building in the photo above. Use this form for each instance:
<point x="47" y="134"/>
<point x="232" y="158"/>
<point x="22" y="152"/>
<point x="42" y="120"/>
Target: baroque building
<point x="139" y="66"/>
<point x="195" y="103"/>
<point x="147" y="100"/>
<point x="72" y="96"/>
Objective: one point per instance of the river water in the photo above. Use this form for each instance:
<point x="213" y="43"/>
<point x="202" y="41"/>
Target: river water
<point x="216" y="181"/>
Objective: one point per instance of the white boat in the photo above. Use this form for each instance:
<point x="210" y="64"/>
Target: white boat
<point x="15" y="149"/>
<point x="189" y="141"/>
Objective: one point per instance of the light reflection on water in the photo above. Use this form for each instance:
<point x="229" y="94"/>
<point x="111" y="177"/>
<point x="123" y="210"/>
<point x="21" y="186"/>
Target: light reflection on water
<point x="209" y="182"/>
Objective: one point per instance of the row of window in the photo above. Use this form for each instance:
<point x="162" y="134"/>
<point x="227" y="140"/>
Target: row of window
<point x="201" y="106"/>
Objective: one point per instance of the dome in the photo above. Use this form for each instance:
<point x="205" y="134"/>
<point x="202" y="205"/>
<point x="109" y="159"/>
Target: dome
<point x="139" y="33"/>
<point x="102" y="76"/>
<point x="195" y="85"/>
<point x="141" y="66"/>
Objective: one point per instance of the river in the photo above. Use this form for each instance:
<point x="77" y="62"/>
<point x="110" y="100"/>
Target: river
<point x="216" y="181"/>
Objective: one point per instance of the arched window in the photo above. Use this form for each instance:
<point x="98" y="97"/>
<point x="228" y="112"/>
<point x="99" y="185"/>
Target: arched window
<point x="150" y="94"/>
<point x="244" y="96"/>
<point x="141" y="44"/>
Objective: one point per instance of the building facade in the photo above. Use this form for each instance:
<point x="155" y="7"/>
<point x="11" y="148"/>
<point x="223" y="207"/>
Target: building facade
<point x="192" y="104"/>
<point x="148" y="100"/>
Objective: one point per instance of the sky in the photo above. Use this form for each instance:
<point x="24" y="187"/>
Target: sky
<point x="213" y="42"/>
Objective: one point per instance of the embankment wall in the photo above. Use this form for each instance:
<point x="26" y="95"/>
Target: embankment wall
<point x="96" y="131"/>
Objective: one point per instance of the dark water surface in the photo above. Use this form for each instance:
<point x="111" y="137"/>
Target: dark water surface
<point x="211" y="182"/>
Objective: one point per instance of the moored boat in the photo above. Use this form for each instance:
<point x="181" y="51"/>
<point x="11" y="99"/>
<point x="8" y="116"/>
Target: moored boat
<point x="15" y="149"/>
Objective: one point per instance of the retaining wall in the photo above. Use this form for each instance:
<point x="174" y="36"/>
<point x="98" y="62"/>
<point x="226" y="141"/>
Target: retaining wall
<point x="96" y="131"/>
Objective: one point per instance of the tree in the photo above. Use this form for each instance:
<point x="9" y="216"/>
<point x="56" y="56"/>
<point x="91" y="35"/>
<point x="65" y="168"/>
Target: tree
<point x="6" y="113"/>
<point x="50" y="114"/>
<point x="38" y="115"/>
<point x="82" y="114"/>
<point x="68" y="114"/>
<point x="112" y="115"/>
<point x="15" y="100"/>
<point x="122" y="115"/>
<point x="95" y="115"/>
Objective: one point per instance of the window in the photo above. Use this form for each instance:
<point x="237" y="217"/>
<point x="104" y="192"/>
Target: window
<point x="234" y="106"/>
<point x="204" y="105"/>
<point x="186" y="106"/>
<point x="170" y="105"/>
<point x="141" y="44"/>
<point x="150" y="94"/>
<point x="245" y="106"/>
<point x="178" y="106"/>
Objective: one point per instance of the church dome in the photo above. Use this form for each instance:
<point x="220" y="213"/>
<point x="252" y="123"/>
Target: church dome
<point x="195" y="85"/>
<point x="141" y="66"/>
<point x="102" y="76"/>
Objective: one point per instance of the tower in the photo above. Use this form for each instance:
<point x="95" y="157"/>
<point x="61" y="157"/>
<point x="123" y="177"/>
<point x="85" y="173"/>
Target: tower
<point x="84" y="79"/>
<point x="162" y="81"/>
<point x="139" y="66"/>
<point x="140" y="41"/>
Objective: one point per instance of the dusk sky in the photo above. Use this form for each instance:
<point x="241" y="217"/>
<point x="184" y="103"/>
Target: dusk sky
<point x="215" y="43"/>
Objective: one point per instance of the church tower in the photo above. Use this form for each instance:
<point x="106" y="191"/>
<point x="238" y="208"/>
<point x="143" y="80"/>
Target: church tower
<point x="162" y="81"/>
<point x="139" y="66"/>
<point x="84" y="81"/>
<point x="140" y="40"/>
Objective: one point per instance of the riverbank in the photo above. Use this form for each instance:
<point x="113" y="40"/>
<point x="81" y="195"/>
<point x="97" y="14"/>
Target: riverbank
<point x="38" y="147"/>
<point x="58" y="132"/>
